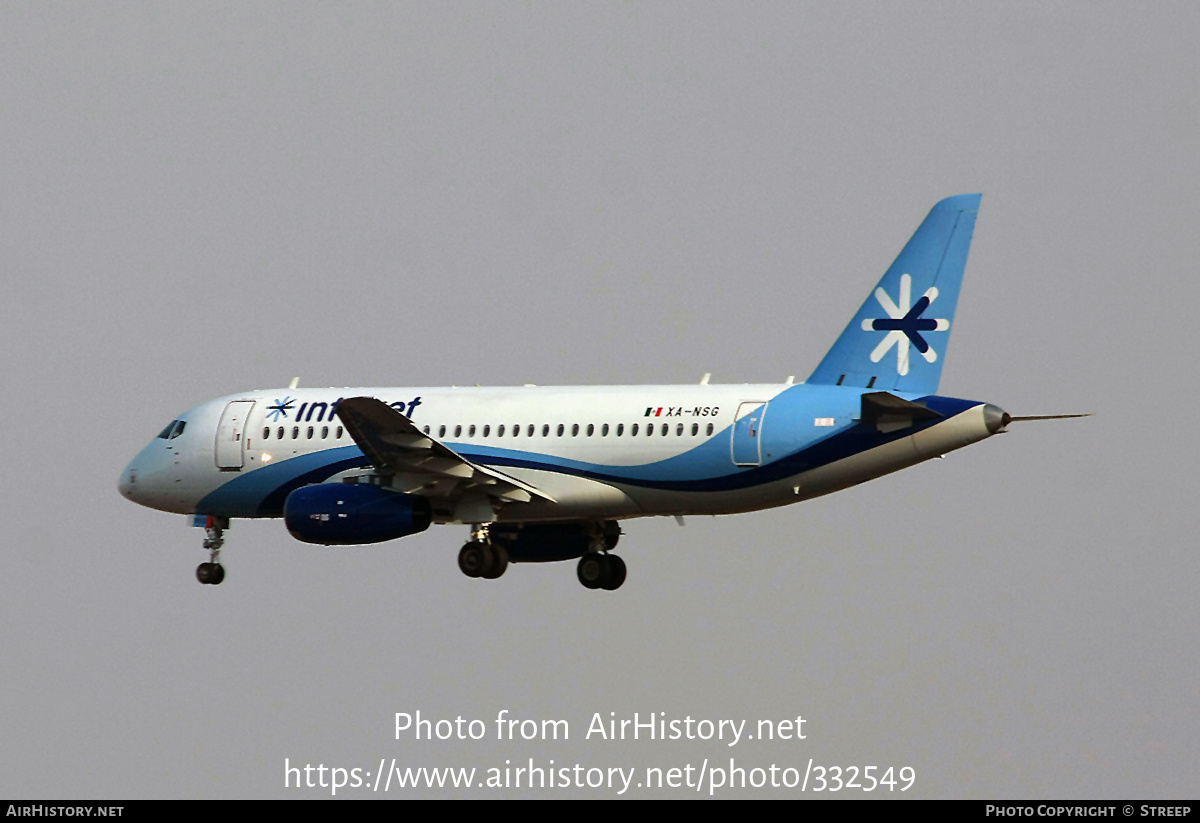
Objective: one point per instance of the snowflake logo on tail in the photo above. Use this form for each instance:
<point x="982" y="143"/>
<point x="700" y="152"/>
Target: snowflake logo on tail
<point x="904" y="325"/>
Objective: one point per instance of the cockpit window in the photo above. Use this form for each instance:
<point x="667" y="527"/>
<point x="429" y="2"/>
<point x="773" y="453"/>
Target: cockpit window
<point x="173" y="430"/>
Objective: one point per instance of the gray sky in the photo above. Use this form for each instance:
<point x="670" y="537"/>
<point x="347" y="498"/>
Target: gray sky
<point x="202" y="198"/>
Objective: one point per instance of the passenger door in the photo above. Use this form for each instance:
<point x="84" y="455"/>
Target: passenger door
<point x="231" y="435"/>
<point x="747" y="433"/>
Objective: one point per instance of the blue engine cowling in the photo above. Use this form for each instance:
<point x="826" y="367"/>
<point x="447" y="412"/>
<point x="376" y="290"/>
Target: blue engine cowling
<point x="545" y="542"/>
<point x="343" y="514"/>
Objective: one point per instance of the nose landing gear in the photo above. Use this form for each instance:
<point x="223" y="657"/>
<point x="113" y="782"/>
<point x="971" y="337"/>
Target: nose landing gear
<point x="212" y="572"/>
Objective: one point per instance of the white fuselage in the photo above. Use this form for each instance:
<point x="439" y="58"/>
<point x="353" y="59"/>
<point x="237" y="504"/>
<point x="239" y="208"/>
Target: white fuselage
<point x="596" y="452"/>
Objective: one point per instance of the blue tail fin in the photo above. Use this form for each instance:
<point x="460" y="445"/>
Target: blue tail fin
<point x="898" y="339"/>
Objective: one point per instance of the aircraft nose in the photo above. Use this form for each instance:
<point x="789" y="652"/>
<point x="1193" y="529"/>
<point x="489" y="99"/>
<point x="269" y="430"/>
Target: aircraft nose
<point x="127" y="482"/>
<point x="995" y="418"/>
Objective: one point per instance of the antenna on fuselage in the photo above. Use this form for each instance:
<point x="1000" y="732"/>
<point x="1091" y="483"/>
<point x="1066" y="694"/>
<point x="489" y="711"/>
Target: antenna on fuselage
<point x="295" y="382"/>
<point x="704" y="379"/>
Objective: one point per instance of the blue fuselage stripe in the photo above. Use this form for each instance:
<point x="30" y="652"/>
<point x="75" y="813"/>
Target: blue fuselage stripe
<point x="707" y="468"/>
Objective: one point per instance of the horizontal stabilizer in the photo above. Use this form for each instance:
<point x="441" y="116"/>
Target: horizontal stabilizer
<point x="887" y="412"/>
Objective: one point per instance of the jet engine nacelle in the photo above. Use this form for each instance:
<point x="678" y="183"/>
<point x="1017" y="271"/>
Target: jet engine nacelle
<point x="342" y="514"/>
<point x="545" y="542"/>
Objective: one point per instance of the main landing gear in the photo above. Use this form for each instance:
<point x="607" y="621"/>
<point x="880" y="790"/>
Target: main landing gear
<point x="480" y="557"/>
<point x="487" y="555"/>
<point x="601" y="571"/>
<point x="599" y="568"/>
<point x="213" y="572"/>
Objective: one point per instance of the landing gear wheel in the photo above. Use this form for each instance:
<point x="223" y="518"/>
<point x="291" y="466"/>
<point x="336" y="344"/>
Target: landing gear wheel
<point x="497" y="561"/>
<point x="472" y="560"/>
<point x="601" y="571"/>
<point x="614" y="574"/>
<point x="213" y="572"/>
<point x="479" y="559"/>
<point x="591" y="570"/>
<point x="210" y="573"/>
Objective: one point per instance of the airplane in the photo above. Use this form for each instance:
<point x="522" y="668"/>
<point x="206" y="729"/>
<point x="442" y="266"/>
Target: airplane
<point x="548" y="473"/>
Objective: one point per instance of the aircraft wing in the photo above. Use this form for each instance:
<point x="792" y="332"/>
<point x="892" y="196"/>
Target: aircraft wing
<point x="418" y="463"/>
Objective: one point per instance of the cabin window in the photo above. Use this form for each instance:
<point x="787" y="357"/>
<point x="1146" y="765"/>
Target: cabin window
<point x="499" y="430"/>
<point x="310" y="432"/>
<point x="710" y="429"/>
<point x="458" y="431"/>
<point x="695" y="429"/>
<point x="591" y="429"/>
<point x="339" y="433"/>
<point x="324" y="432"/>
<point x="649" y="429"/>
<point x="487" y="430"/>
<point x="632" y="431"/>
<point x="546" y="430"/>
<point x="679" y="430"/>
<point x="604" y="430"/>
<point x="295" y="432"/>
<point x="441" y="431"/>
<point x="267" y="433"/>
<point x="561" y="428"/>
<point x="471" y="431"/>
<point x="620" y="429"/>
<point x="666" y="428"/>
<point x="426" y="430"/>
<point x="575" y="430"/>
<point x="531" y="430"/>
